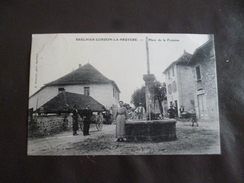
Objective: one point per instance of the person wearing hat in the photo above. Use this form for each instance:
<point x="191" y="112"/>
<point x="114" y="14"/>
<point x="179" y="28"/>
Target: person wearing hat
<point x="121" y="117"/>
<point x="171" y="112"/>
<point x="181" y="110"/>
<point x="75" y="118"/>
<point x="87" y="114"/>
<point x="140" y="111"/>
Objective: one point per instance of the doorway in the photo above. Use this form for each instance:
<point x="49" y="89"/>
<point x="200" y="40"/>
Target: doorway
<point x="176" y="108"/>
<point x="202" y="109"/>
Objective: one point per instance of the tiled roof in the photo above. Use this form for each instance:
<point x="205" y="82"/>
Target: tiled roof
<point x="183" y="59"/>
<point x="83" y="75"/>
<point x="203" y="50"/>
<point x="58" y="103"/>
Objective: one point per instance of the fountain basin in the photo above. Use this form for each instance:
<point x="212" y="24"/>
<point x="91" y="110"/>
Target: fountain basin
<point x="154" y="130"/>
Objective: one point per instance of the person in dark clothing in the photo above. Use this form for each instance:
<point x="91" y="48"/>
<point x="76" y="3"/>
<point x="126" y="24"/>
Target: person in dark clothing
<point x="75" y="118"/>
<point x="171" y="112"/>
<point x="181" y="110"/>
<point x="87" y="114"/>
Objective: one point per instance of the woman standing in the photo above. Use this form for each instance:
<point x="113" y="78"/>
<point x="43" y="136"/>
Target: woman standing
<point x="75" y="119"/>
<point x="121" y="116"/>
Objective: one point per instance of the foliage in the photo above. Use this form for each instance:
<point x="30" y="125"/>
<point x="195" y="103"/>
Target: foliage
<point x="139" y="97"/>
<point x="159" y="94"/>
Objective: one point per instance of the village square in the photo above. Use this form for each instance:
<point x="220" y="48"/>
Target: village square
<point x="177" y="116"/>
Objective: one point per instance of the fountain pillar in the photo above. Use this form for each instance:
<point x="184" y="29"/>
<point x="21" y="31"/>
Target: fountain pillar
<point x="149" y="80"/>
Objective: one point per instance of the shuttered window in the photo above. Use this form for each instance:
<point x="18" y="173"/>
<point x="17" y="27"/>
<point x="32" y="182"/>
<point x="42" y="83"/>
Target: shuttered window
<point x="174" y="86"/>
<point x="169" y="88"/>
<point x="198" y="73"/>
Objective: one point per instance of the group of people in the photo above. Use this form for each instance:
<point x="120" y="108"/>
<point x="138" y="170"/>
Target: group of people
<point x="121" y="117"/>
<point x="86" y="117"/>
<point x="137" y="113"/>
<point x="171" y="111"/>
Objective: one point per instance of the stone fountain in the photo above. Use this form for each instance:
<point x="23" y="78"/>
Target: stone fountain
<point x="150" y="130"/>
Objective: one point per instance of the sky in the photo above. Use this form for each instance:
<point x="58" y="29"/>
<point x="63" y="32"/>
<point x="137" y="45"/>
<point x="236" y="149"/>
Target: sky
<point x="119" y="57"/>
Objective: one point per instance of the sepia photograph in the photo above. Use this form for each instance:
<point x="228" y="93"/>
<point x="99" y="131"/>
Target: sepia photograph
<point x="123" y="94"/>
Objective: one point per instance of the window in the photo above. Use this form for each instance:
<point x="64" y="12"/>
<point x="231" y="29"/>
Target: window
<point x="86" y="90"/>
<point x="169" y="74"/>
<point x="174" y="86"/>
<point x="61" y="90"/>
<point x="169" y="88"/>
<point x="198" y="73"/>
<point x="173" y="71"/>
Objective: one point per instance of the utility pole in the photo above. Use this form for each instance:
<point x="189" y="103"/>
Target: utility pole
<point x="147" y="87"/>
<point x="148" y="64"/>
<point x="148" y="78"/>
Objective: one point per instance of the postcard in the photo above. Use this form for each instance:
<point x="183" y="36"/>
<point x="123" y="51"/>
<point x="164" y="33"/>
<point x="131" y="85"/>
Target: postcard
<point x="123" y="94"/>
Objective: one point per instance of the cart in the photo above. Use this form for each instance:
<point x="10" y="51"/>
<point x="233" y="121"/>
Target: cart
<point x="189" y="116"/>
<point x="107" y="117"/>
<point x="95" y="119"/>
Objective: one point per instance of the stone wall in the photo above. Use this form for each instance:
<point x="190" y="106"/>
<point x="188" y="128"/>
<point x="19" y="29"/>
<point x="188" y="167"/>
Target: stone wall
<point x="47" y="125"/>
<point x="158" y="130"/>
<point x="209" y="85"/>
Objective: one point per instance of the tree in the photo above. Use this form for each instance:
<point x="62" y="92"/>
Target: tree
<point x="159" y="93"/>
<point x="139" y="97"/>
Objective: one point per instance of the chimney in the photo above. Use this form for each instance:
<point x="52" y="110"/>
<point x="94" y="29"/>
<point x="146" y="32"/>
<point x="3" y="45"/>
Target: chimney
<point x="80" y="65"/>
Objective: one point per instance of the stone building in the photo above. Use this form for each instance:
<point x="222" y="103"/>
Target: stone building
<point x="179" y="83"/>
<point x="85" y="80"/>
<point x="203" y="64"/>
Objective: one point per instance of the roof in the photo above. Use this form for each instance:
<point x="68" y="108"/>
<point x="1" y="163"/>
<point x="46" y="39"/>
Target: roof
<point x="58" y="103"/>
<point x="83" y="75"/>
<point x="203" y="50"/>
<point x="183" y="59"/>
<point x="37" y="91"/>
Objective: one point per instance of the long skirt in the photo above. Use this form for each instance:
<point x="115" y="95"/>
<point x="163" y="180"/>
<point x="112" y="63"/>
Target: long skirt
<point x="75" y="124"/>
<point x="120" y="126"/>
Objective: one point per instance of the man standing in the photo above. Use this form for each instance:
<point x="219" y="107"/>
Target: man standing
<point x="140" y="111"/>
<point x="171" y="112"/>
<point x="75" y="119"/>
<point x="181" y="110"/>
<point x="87" y="114"/>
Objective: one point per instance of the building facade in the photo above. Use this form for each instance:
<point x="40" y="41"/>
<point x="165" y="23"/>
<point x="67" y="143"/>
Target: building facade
<point x="85" y="80"/>
<point x="179" y="83"/>
<point x="203" y="64"/>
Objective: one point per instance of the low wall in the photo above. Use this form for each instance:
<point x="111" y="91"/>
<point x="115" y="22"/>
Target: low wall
<point x="46" y="125"/>
<point x="158" y="130"/>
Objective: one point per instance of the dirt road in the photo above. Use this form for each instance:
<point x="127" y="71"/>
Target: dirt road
<point x="203" y="139"/>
